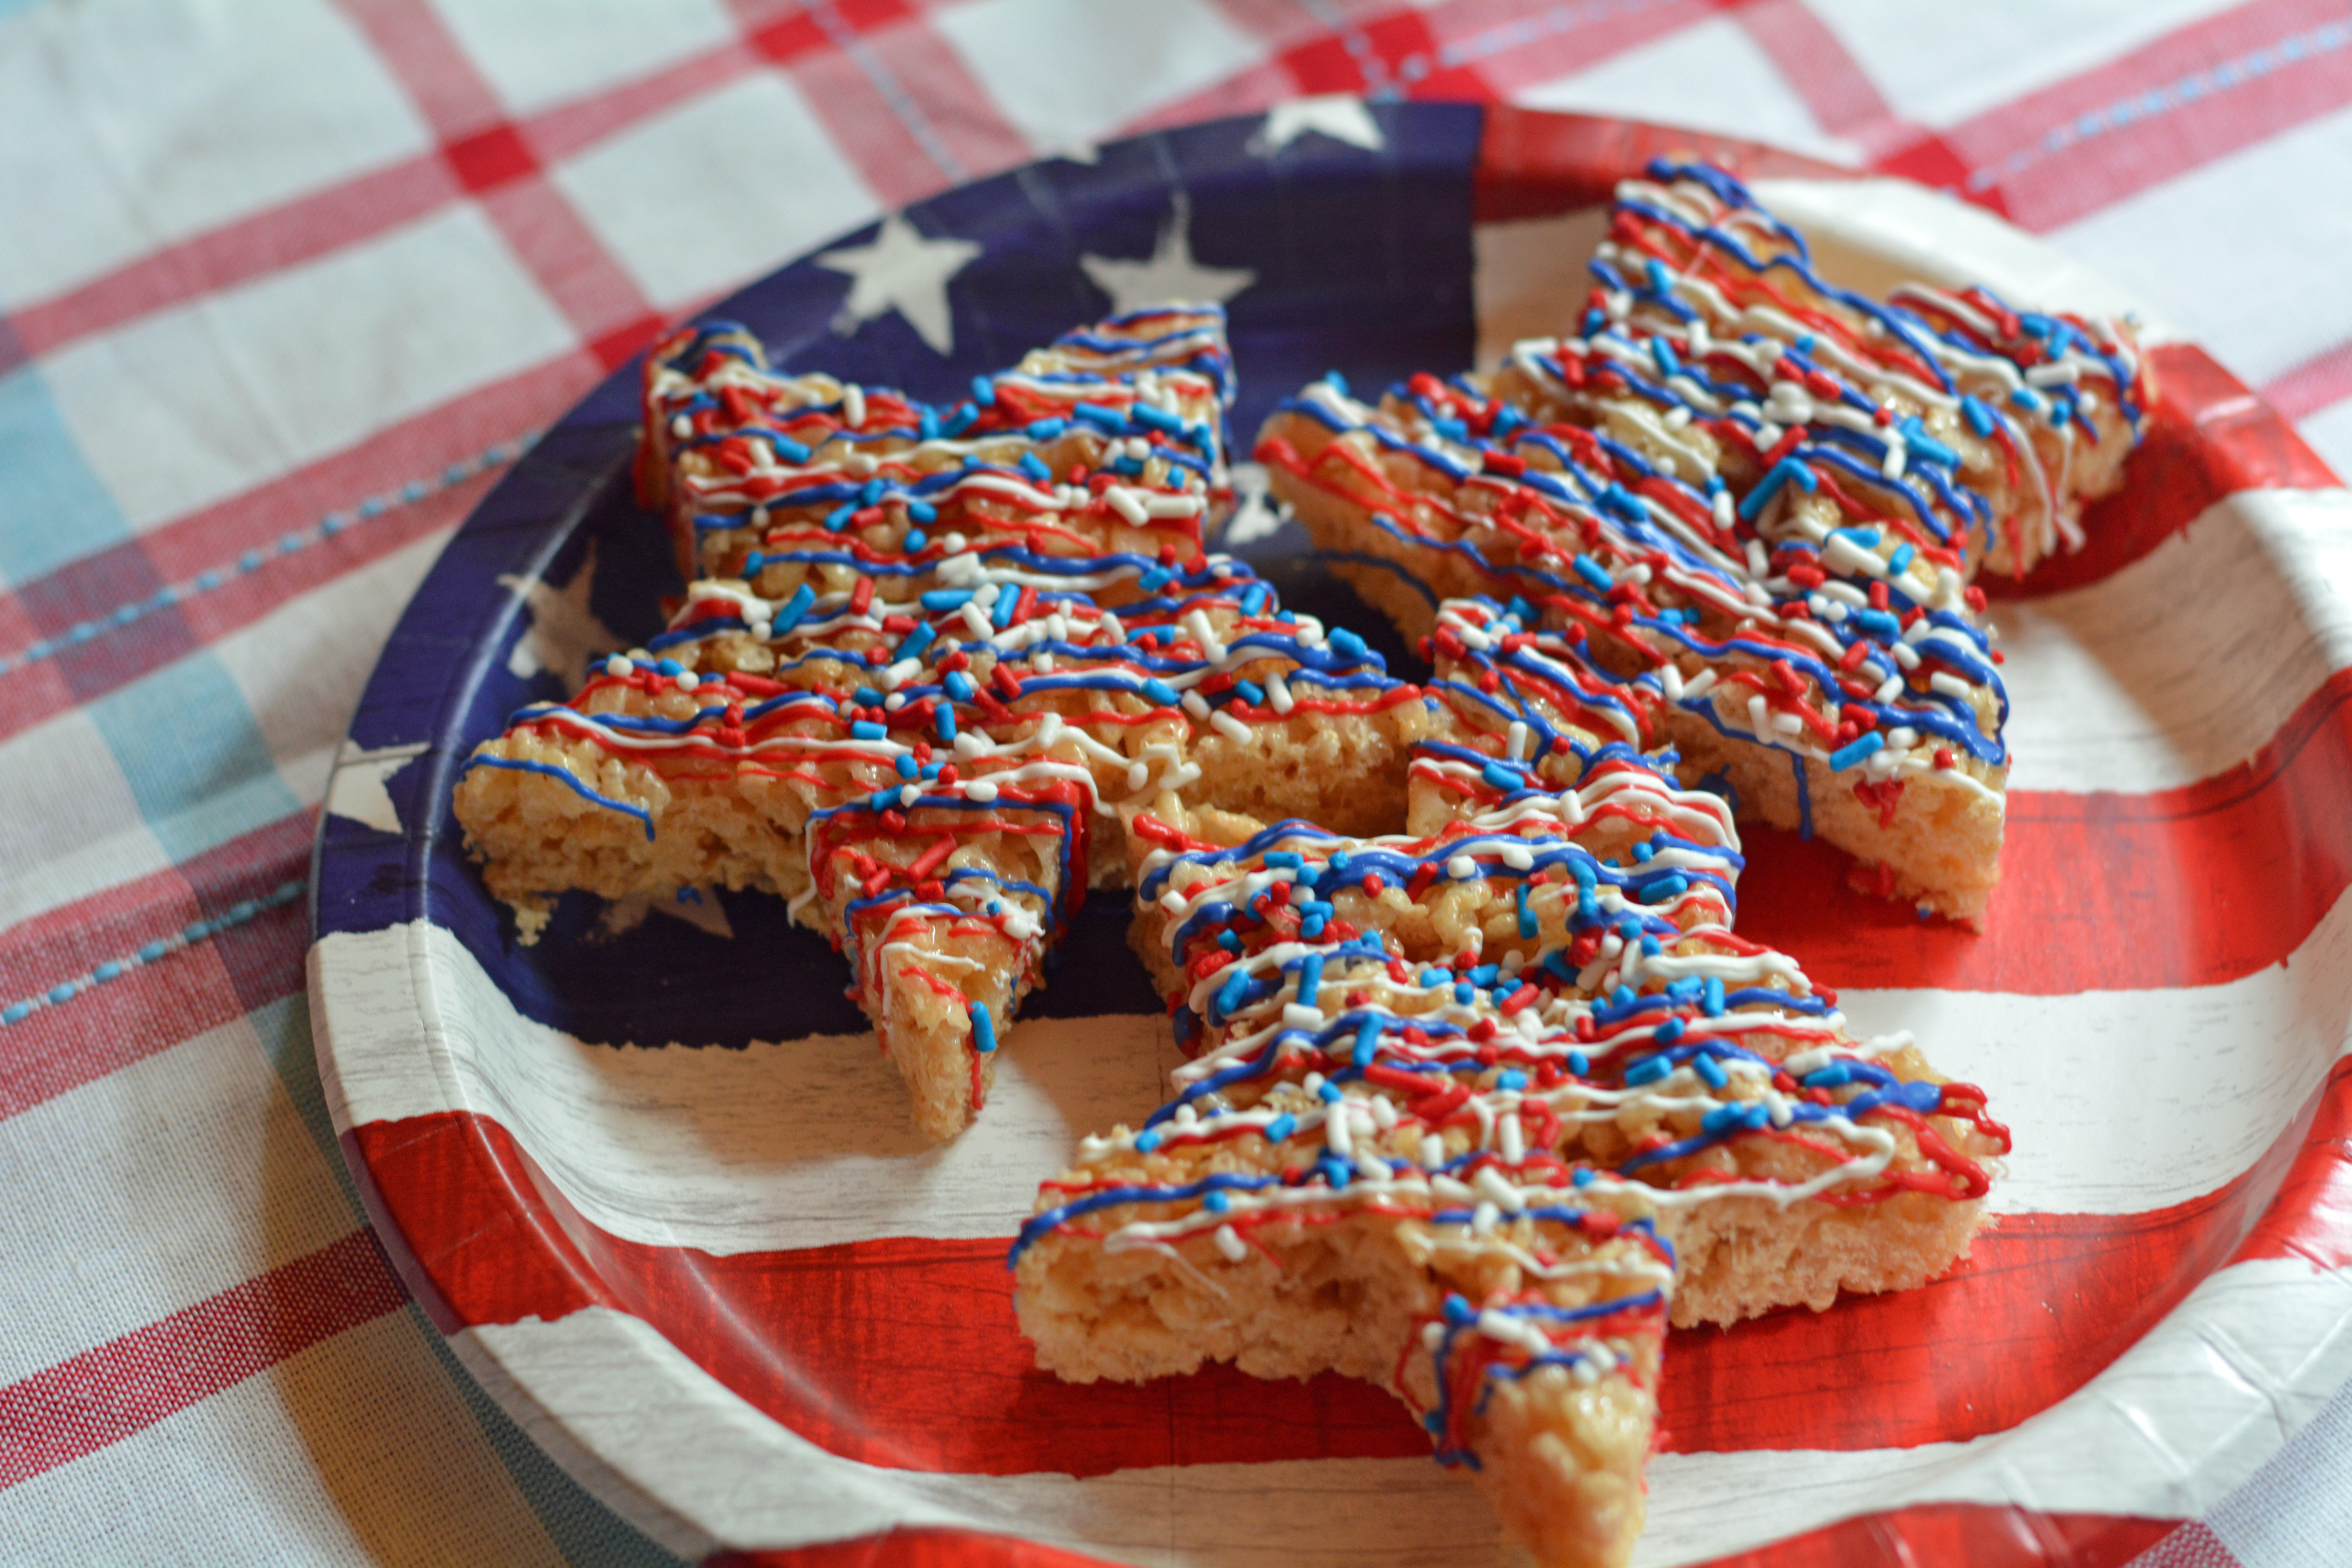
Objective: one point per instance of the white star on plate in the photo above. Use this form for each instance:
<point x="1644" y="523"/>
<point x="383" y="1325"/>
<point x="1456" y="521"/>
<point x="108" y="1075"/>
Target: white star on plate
<point x="1255" y="513"/>
<point x="356" y="788"/>
<point x="902" y="272"/>
<point x="563" y="631"/>
<point x="1171" y="275"/>
<point x="1336" y="115"/>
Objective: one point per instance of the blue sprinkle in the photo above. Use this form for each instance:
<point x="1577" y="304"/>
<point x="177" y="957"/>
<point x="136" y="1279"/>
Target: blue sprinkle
<point x="1711" y="1070"/>
<point x="1663" y="352"/>
<point x="1665" y="888"/>
<point x="1585" y="1177"/>
<point x="944" y="721"/>
<point x="110" y="970"/>
<point x="1878" y="624"/>
<point x="1310" y="979"/>
<point x="668" y="667"/>
<point x="838" y="518"/>
<point x="867" y="730"/>
<point x="905" y="766"/>
<point x="1110" y="420"/>
<point x="983" y="391"/>
<point x="1251" y="692"/>
<point x="1712" y="1000"/>
<point x="64" y="992"/>
<point x="1160" y="692"/>
<point x="1230" y="994"/>
<point x="1459" y="1311"/>
<point x="960" y="686"/>
<point x="1311" y="927"/>
<point x="1463" y="992"/>
<point x="866" y="697"/>
<point x="1725" y="1120"/>
<point x="922" y="512"/>
<point x="1528" y="926"/>
<point x="1046" y="430"/>
<point x="1579" y="1063"/>
<point x="1864" y="746"/>
<point x="1902" y="558"/>
<point x="1431" y="977"/>
<point x="1649" y="1069"/>
<point x="1667" y="1033"/>
<point x="1337" y="382"/>
<point x="1330" y="1093"/>
<point x="1593" y="572"/>
<point x="927" y="424"/>
<point x="1146" y="1142"/>
<point x="1155" y="418"/>
<point x="804" y="598"/>
<point x="1502" y="776"/>
<point x="1367" y="1042"/>
<point x="961" y="419"/>
<point x="1345" y="642"/>
<point x="922" y="636"/>
<point x="152" y="950"/>
<point x="1281" y="1127"/>
<point x="1034" y="467"/>
<point x="916" y="541"/>
<point x="1511" y="1078"/>
<point x="1217" y="1202"/>
<point x="983" y="1030"/>
<point x="15" y="1012"/>
<point x="1837" y="1075"/>
<point x="1979" y="416"/>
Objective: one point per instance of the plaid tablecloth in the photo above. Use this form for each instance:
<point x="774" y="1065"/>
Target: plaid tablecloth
<point x="284" y="284"/>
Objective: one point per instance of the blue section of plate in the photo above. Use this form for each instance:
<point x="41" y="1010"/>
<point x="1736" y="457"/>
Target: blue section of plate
<point x="1360" y="261"/>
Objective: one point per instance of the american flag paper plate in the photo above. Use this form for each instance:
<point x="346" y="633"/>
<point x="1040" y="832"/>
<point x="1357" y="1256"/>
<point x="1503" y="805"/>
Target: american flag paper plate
<point x="655" y="1182"/>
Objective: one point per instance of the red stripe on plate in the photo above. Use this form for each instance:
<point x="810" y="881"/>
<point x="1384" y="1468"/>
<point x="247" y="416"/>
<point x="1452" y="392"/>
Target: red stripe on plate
<point x="1975" y="1534"/>
<point x="119" y="1388"/>
<point x="2186" y="887"/>
<point x="904" y="1352"/>
<point x="1535" y="165"/>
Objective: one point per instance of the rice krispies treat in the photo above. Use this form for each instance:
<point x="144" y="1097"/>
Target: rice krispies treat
<point x="1394" y="1158"/>
<point x="931" y="782"/>
<point x="1710" y="342"/>
<point x="737" y="458"/>
<point x="1866" y="708"/>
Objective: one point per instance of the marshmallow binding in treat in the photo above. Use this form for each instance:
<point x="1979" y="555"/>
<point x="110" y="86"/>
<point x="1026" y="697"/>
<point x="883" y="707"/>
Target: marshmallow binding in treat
<point x="936" y="659"/>
<point x="1756" y="501"/>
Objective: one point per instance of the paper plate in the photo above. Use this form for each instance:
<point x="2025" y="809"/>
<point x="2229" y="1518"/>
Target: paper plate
<point x="656" y="1183"/>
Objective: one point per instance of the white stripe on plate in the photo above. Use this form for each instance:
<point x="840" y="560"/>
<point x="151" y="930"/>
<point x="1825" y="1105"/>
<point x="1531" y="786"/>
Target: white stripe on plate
<point x="2121" y="1102"/>
<point x="2188" y="661"/>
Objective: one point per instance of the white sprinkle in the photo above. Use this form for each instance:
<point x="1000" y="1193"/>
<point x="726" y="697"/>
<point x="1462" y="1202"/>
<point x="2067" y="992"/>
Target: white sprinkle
<point x="681" y="428"/>
<point x="853" y="406"/>
<point x="980" y="789"/>
<point x="1228" y="726"/>
<point x="1515" y="742"/>
<point x="1461" y="868"/>
<point x="1230" y="1244"/>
